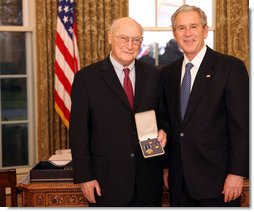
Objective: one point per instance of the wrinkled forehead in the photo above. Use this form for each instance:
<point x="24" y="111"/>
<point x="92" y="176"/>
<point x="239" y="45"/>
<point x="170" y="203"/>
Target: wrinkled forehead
<point x="129" y="28"/>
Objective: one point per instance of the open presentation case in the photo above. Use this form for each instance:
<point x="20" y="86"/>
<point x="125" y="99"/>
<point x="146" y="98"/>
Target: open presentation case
<point x="147" y="134"/>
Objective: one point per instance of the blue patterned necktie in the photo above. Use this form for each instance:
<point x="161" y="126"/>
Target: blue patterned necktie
<point x="185" y="88"/>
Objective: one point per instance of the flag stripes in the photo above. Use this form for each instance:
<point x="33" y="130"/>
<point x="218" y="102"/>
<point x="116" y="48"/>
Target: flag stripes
<point x="66" y="58"/>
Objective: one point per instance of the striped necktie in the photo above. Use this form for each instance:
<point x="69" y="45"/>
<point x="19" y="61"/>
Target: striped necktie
<point x="185" y="89"/>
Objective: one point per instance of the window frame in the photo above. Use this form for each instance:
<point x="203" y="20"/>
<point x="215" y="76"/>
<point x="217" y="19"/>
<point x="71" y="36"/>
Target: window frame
<point x="29" y="28"/>
<point x="169" y="28"/>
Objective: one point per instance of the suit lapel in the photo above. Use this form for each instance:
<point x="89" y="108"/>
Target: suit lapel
<point x="139" y="83"/>
<point x="202" y="80"/>
<point x="109" y="75"/>
<point x="175" y="83"/>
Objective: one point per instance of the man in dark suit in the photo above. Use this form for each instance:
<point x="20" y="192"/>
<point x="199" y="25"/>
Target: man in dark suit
<point x="107" y="159"/>
<point x="208" y="142"/>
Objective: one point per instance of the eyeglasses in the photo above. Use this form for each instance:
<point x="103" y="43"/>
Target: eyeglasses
<point x="123" y="39"/>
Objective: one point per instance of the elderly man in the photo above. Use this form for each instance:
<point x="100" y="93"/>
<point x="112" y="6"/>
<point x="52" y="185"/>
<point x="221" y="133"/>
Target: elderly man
<point x="107" y="159"/>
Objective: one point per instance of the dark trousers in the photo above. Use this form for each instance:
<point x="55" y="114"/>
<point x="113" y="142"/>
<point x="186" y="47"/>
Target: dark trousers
<point x="136" y="202"/>
<point x="185" y="200"/>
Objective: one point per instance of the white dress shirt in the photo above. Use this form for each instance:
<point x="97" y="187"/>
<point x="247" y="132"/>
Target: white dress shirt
<point x="196" y="61"/>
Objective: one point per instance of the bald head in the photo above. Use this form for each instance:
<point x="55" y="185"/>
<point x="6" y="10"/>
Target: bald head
<point x="125" y="38"/>
<point x="126" y="22"/>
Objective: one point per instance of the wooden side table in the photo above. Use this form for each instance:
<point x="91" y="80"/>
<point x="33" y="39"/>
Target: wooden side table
<point x="51" y="194"/>
<point x="245" y="196"/>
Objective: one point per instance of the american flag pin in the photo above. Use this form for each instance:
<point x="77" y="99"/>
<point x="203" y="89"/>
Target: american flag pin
<point x="208" y="75"/>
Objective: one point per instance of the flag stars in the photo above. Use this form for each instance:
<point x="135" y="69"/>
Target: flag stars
<point x="60" y="9"/>
<point x="66" y="9"/>
<point x="70" y="30"/>
<point x="71" y="20"/>
<point x="65" y="19"/>
<point x="66" y="13"/>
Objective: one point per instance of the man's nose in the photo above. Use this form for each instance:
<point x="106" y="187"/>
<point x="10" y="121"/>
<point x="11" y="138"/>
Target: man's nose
<point x="130" y="43"/>
<point x="188" y="31"/>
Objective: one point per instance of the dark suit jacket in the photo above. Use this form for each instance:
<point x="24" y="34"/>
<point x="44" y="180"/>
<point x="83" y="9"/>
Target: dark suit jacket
<point x="103" y="135"/>
<point x="213" y="138"/>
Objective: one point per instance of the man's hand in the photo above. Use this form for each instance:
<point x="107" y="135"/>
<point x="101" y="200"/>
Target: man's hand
<point x="232" y="187"/>
<point x="88" y="190"/>
<point x="162" y="138"/>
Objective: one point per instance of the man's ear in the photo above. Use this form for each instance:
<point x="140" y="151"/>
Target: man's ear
<point x="206" y="31"/>
<point x="110" y="34"/>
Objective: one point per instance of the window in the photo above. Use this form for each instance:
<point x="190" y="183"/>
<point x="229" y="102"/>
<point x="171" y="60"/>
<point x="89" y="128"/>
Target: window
<point x="16" y="78"/>
<point x="156" y="21"/>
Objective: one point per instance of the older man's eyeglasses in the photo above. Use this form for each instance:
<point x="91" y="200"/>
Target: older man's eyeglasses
<point x="123" y="39"/>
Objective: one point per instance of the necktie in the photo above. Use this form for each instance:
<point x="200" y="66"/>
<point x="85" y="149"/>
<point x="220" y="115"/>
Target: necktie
<point x="128" y="86"/>
<point x="185" y="88"/>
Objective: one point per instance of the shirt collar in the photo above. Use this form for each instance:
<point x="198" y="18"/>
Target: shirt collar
<point x="119" y="67"/>
<point x="197" y="60"/>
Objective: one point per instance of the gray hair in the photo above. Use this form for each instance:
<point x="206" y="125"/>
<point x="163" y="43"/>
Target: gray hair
<point x="187" y="8"/>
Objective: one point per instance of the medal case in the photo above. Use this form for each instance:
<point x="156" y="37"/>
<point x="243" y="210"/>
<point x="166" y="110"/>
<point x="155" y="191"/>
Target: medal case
<point x="147" y="134"/>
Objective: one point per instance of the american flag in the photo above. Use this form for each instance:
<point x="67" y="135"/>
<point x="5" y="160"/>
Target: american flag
<point x="66" y="58"/>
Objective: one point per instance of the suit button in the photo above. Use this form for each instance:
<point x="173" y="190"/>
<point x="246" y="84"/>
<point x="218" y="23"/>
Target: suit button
<point x="132" y="155"/>
<point x="182" y="134"/>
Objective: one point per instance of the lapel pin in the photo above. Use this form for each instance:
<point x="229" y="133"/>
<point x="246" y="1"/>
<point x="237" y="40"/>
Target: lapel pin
<point x="208" y="75"/>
